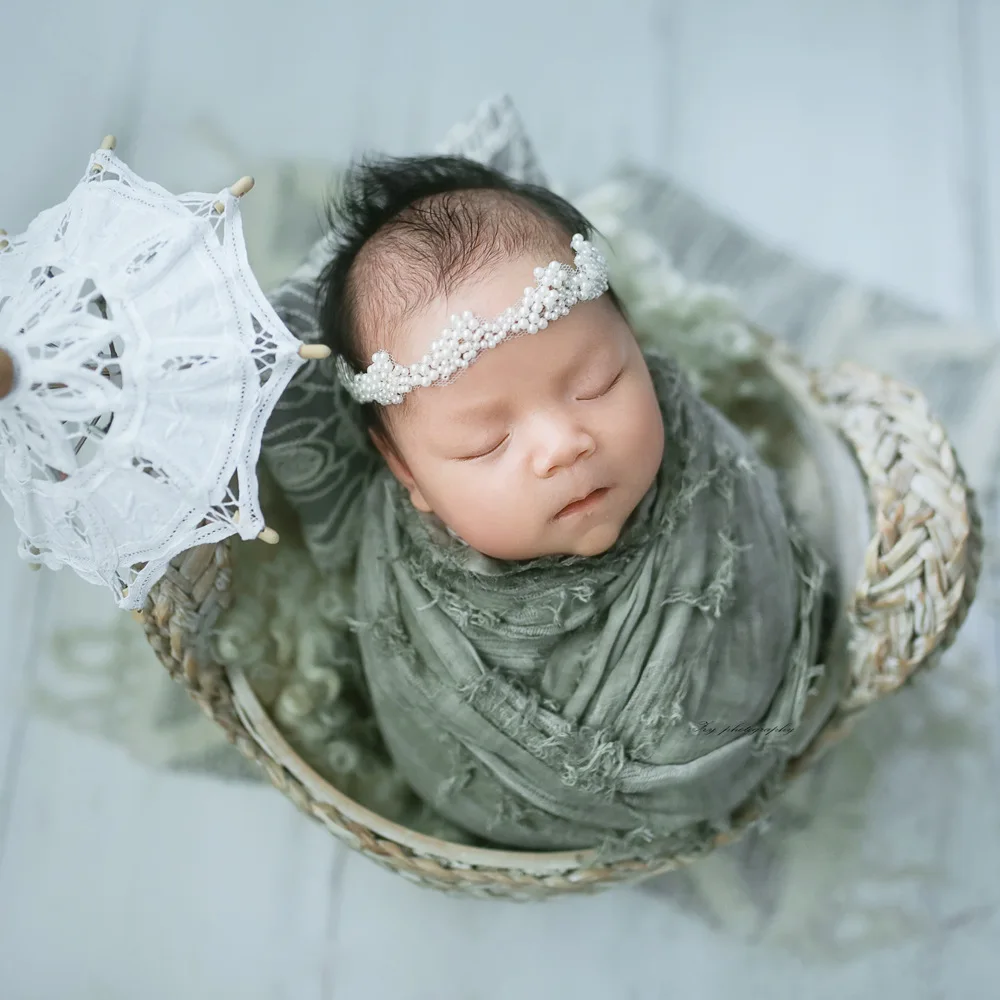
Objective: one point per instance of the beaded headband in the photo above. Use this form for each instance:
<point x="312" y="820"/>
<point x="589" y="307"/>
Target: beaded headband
<point x="557" y="288"/>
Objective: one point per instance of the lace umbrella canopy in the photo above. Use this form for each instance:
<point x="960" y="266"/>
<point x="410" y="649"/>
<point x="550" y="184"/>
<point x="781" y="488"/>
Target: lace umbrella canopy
<point x="139" y="363"/>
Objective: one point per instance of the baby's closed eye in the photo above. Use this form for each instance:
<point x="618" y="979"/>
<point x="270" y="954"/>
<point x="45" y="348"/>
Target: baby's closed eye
<point x="607" y="387"/>
<point x="482" y="453"/>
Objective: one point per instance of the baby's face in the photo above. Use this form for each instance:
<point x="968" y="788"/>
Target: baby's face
<point x="533" y="424"/>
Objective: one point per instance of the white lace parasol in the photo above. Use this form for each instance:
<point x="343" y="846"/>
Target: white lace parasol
<point x="139" y="362"/>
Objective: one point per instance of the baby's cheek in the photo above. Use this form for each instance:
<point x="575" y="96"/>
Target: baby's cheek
<point x="472" y="496"/>
<point x="501" y="514"/>
<point x="646" y="435"/>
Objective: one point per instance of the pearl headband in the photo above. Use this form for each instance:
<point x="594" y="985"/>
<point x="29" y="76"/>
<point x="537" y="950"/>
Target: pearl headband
<point x="557" y="288"/>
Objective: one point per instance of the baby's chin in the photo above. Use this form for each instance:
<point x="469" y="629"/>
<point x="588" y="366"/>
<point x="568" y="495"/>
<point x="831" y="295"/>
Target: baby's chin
<point x="595" y="543"/>
<point x="592" y="541"/>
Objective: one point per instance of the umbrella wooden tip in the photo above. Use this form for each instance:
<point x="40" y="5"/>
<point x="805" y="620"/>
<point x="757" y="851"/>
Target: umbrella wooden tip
<point x="269" y="536"/>
<point x="314" y="352"/>
<point x="6" y="373"/>
<point x="109" y="142"/>
<point x="241" y="187"/>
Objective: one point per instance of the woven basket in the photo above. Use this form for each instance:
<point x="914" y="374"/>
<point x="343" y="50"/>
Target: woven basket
<point x="907" y="540"/>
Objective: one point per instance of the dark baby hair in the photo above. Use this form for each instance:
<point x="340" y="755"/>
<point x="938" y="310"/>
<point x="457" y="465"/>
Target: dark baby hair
<point x="411" y="228"/>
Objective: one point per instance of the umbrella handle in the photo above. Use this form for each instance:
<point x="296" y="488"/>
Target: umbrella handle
<point x="6" y="373"/>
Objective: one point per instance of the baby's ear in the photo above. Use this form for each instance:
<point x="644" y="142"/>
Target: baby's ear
<point x="399" y="469"/>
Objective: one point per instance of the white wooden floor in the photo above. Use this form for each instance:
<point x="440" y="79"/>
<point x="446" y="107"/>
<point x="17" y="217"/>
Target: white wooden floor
<point x="863" y="133"/>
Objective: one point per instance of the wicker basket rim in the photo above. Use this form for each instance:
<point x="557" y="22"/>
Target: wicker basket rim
<point x="881" y="427"/>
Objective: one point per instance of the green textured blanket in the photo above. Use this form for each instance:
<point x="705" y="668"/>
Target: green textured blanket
<point x="625" y="699"/>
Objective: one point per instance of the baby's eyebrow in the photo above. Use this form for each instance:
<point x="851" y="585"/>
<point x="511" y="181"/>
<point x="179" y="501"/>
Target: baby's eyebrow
<point x="480" y="408"/>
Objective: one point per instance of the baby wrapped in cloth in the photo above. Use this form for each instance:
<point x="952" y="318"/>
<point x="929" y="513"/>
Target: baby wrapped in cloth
<point x="551" y="674"/>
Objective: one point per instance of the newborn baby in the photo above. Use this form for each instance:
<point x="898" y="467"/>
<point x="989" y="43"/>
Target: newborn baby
<point x="584" y="615"/>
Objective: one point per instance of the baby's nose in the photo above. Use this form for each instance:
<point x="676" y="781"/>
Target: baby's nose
<point x="561" y="444"/>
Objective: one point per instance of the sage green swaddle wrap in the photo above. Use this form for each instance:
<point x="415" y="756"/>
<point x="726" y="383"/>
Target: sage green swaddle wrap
<point x="634" y="697"/>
